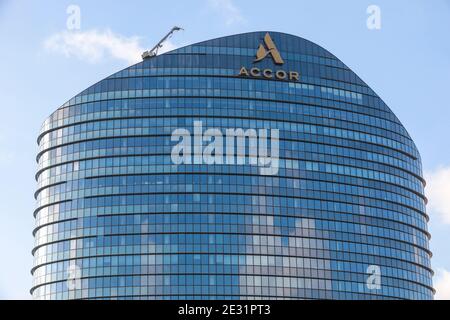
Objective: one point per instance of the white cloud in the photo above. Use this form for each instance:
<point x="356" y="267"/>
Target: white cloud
<point x="442" y="284"/>
<point x="438" y="193"/>
<point x="228" y="10"/>
<point x="95" y="45"/>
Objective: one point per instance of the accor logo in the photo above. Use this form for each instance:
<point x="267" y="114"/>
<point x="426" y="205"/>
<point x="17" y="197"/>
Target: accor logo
<point x="271" y="50"/>
<point x="265" y="49"/>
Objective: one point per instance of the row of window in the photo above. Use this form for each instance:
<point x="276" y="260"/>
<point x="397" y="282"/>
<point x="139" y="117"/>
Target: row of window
<point x="232" y="285"/>
<point x="180" y="106"/>
<point x="168" y="125"/>
<point x="342" y="193"/>
<point x="225" y="263"/>
<point x="288" y="130"/>
<point x="146" y="125"/>
<point x="222" y="183"/>
<point x="210" y="204"/>
<point x="215" y="261"/>
<point x="163" y="163"/>
<point x="56" y="232"/>
<point x="350" y="248"/>
<point x="129" y="293"/>
<point x="186" y="83"/>
<point x="249" y="204"/>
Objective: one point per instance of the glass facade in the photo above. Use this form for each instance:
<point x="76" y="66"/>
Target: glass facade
<point x="117" y="219"/>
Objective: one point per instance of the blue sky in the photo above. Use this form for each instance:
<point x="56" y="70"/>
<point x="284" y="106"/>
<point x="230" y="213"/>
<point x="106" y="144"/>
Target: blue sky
<point x="407" y="62"/>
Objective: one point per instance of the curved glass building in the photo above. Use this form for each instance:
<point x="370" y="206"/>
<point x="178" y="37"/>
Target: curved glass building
<point x="253" y="166"/>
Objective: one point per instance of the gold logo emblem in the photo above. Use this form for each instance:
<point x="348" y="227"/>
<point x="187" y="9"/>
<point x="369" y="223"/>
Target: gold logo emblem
<point x="268" y="49"/>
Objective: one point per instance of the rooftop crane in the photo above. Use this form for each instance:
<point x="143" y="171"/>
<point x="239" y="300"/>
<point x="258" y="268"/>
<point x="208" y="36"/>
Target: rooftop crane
<point x="154" y="51"/>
